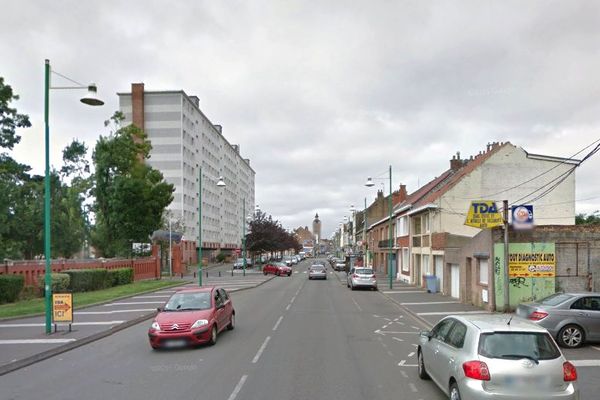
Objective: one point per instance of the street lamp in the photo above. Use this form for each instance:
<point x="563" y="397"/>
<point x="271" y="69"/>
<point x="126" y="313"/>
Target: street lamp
<point x="370" y="183"/>
<point x="220" y="183"/>
<point x="244" y="235"/>
<point x="90" y="99"/>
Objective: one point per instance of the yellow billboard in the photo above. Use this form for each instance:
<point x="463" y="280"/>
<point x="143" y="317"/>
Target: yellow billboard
<point x="483" y="214"/>
<point x="531" y="265"/>
<point x="62" y="307"/>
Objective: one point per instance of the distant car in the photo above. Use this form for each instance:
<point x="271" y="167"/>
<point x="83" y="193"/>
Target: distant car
<point x="287" y="260"/>
<point x="277" y="268"/>
<point x="571" y="318"/>
<point x="339" y="265"/>
<point x="192" y="317"/>
<point x="359" y="277"/>
<point x="317" y="271"/>
<point x="239" y="263"/>
<point x="495" y="357"/>
<point x="295" y="259"/>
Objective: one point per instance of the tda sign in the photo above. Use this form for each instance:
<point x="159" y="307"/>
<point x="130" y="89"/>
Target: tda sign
<point x="484" y="214"/>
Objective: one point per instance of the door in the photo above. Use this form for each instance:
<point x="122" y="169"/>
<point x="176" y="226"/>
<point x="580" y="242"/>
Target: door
<point x="450" y="349"/>
<point x="455" y="281"/>
<point x="587" y="313"/>
<point x="220" y="313"/>
<point x="417" y="269"/>
<point x="434" y="366"/>
<point x="439" y="270"/>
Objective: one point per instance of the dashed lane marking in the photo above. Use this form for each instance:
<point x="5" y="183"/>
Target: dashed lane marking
<point x="152" y="297"/>
<point x="412" y="353"/>
<point x="403" y="291"/>
<point x="429" y="302"/>
<point x="412" y="387"/>
<point x="260" y="351"/>
<point x="277" y="323"/>
<point x="398" y="339"/>
<point x="288" y="307"/>
<point x="36" y="341"/>
<point x="238" y="387"/>
<point x="403" y="373"/>
<point x="453" y="312"/>
<point x="356" y="304"/>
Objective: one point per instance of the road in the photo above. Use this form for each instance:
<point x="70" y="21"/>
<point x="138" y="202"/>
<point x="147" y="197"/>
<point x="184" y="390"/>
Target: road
<point x="294" y="339"/>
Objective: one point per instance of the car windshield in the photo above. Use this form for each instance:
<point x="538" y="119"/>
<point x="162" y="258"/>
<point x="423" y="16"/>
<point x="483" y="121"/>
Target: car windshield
<point x="363" y="271"/>
<point x="517" y="345"/>
<point x="188" y="301"/>
<point x="556" y="299"/>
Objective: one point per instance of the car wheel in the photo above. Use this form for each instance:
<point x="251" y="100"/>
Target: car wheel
<point x="289" y="274"/>
<point x="264" y="272"/>
<point x="347" y="284"/>
<point x="213" y="336"/>
<point x="454" y="392"/>
<point x="231" y="324"/>
<point x="571" y="336"/>
<point x="352" y="287"/>
<point x="421" y="366"/>
<point x="277" y="273"/>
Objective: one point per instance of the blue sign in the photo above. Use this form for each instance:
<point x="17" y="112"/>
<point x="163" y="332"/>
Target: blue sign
<point x="522" y="216"/>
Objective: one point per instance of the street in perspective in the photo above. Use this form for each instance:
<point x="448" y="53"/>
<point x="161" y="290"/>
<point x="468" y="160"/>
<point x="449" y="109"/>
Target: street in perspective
<point x="289" y="200"/>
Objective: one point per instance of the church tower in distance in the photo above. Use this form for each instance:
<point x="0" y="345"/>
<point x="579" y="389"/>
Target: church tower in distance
<point x="316" y="228"/>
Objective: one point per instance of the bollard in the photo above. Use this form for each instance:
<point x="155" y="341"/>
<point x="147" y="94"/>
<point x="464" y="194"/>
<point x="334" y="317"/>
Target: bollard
<point x="207" y="274"/>
<point x="219" y="274"/>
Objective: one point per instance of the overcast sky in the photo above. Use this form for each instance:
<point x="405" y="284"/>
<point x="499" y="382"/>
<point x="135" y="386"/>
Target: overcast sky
<point x="322" y="94"/>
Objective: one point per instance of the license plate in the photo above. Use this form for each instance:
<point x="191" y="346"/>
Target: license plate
<point x="175" y="343"/>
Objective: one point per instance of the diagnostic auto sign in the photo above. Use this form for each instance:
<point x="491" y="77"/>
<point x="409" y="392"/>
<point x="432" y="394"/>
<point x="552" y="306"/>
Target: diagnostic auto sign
<point x="531" y="265"/>
<point x="484" y="214"/>
<point x="522" y="217"/>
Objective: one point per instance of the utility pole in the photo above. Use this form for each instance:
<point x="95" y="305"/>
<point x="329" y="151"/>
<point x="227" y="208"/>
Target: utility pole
<point x="506" y="274"/>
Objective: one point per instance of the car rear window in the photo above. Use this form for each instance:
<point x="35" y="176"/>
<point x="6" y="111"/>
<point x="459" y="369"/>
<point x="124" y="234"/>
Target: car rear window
<point x="363" y="271"/>
<point x="517" y="345"/>
<point x="317" y="268"/>
<point x="556" y="299"/>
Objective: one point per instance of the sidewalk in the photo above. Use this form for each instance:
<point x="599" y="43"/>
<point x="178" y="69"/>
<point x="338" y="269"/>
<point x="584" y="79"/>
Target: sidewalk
<point x="427" y="307"/>
<point x="24" y="342"/>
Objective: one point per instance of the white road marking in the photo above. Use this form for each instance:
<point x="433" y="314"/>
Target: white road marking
<point x="152" y="297"/>
<point x="585" y="363"/>
<point x="356" y="304"/>
<point x="453" y="313"/>
<point x="412" y="353"/>
<point x="277" y="323"/>
<point x="260" y="351"/>
<point x="401" y="363"/>
<point x="288" y="307"/>
<point x="403" y="291"/>
<point x="400" y="323"/>
<point x="387" y="319"/>
<point x="133" y="303"/>
<point x="393" y="332"/>
<point x="390" y="353"/>
<point x="166" y="291"/>
<point x="413" y="388"/>
<point x="293" y="299"/>
<point x="415" y="327"/>
<point x="376" y="316"/>
<point x="33" y="325"/>
<point x="398" y="339"/>
<point x="238" y="387"/>
<point x="112" y="311"/>
<point x="430" y="302"/>
<point x="303" y="272"/>
<point x="595" y="347"/>
<point x="403" y="373"/>
<point x="36" y="341"/>
<point x="296" y="272"/>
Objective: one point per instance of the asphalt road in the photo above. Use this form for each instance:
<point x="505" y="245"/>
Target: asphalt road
<point x="294" y="339"/>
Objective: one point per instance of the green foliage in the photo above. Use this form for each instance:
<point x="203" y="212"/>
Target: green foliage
<point x="10" y="119"/>
<point x="130" y="196"/>
<point x="221" y="257"/>
<point x="85" y="280"/>
<point x="10" y="287"/>
<point x="60" y="282"/>
<point x="588" y="219"/>
<point x="119" y="276"/>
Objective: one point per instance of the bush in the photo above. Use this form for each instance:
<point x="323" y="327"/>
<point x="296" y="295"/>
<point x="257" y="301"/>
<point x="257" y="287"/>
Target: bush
<point x="85" y="280"/>
<point x="221" y="257"/>
<point x="60" y="282"/>
<point x="119" y="276"/>
<point x="10" y="287"/>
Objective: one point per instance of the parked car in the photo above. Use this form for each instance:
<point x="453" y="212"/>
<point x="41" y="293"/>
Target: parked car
<point x="295" y="260"/>
<point x="495" y="357"/>
<point x="239" y="263"/>
<point x="191" y="317"/>
<point x="317" y="271"/>
<point x="361" y="277"/>
<point x="287" y="260"/>
<point x="571" y="318"/>
<point x="339" y="265"/>
<point x="277" y="268"/>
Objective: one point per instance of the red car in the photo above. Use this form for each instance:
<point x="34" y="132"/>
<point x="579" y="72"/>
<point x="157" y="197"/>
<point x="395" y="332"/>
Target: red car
<point x="277" y="269"/>
<point x="191" y="317"/>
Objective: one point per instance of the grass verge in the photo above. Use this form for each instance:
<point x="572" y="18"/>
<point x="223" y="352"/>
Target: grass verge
<point x="35" y="306"/>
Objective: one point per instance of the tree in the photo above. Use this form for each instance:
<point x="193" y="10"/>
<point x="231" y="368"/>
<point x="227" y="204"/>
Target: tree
<point x="588" y="219"/>
<point x="130" y="196"/>
<point x="267" y="235"/>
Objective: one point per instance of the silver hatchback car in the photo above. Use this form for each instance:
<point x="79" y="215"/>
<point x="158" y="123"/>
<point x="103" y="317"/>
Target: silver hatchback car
<point x="572" y="318"/>
<point x="495" y="357"/>
<point x="360" y="277"/>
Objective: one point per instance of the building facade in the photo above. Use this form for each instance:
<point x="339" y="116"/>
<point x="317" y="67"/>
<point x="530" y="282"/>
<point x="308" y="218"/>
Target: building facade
<point x="185" y="142"/>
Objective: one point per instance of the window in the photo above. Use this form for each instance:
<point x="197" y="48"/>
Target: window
<point x="516" y="345"/>
<point x="483" y="271"/>
<point x="587" y="303"/>
<point x="401" y="226"/>
<point x="441" y="330"/>
<point x="425" y="223"/>
<point x="405" y="263"/>
<point x="456" y="337"/>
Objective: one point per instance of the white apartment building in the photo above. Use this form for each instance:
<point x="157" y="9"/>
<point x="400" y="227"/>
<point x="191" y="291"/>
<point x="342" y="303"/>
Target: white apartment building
<point x="183" y="140"/>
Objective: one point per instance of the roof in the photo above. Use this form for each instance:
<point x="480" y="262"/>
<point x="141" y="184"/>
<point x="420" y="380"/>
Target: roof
<point x="499" y="322"/>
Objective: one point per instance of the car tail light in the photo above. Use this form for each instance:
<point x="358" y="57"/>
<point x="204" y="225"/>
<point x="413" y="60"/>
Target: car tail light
<point x="537" y="315"/>
<point x="569" y="372"/>
<point x="476" y="370"/>
<point x="355" y="276"/>
<point x="373" y="276"/>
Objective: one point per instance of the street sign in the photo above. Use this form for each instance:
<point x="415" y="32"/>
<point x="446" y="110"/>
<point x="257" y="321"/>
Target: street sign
<point x="522" y="217"/>
<point x="62" y="308"/>
<point x="483" y="214"/>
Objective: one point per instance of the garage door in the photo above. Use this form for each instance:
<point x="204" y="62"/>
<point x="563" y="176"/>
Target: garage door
<point x="454" y="281"/>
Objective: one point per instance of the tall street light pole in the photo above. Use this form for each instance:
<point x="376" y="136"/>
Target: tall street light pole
<point x="244" y="233"/>
<point x="390" y="237"/>
<point x="92" y="100"/>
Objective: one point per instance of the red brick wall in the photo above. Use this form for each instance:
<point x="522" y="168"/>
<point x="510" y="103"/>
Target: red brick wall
<point x="438" y="241"/>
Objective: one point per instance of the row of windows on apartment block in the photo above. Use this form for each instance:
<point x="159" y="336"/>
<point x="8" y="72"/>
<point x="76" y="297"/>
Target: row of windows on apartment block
<point x="420" y="225"/>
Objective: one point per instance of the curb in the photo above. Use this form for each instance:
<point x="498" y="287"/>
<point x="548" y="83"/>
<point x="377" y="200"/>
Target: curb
<point x="25" y="362"/>
<point x="98" y="303"/>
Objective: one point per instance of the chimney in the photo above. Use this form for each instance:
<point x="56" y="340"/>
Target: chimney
<point x="236" y="147"/>
<point x="456" y="162"/>
<point x="399" y="196"/>
<point x="137" y="104"/>
<point x="219" y="128"/>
